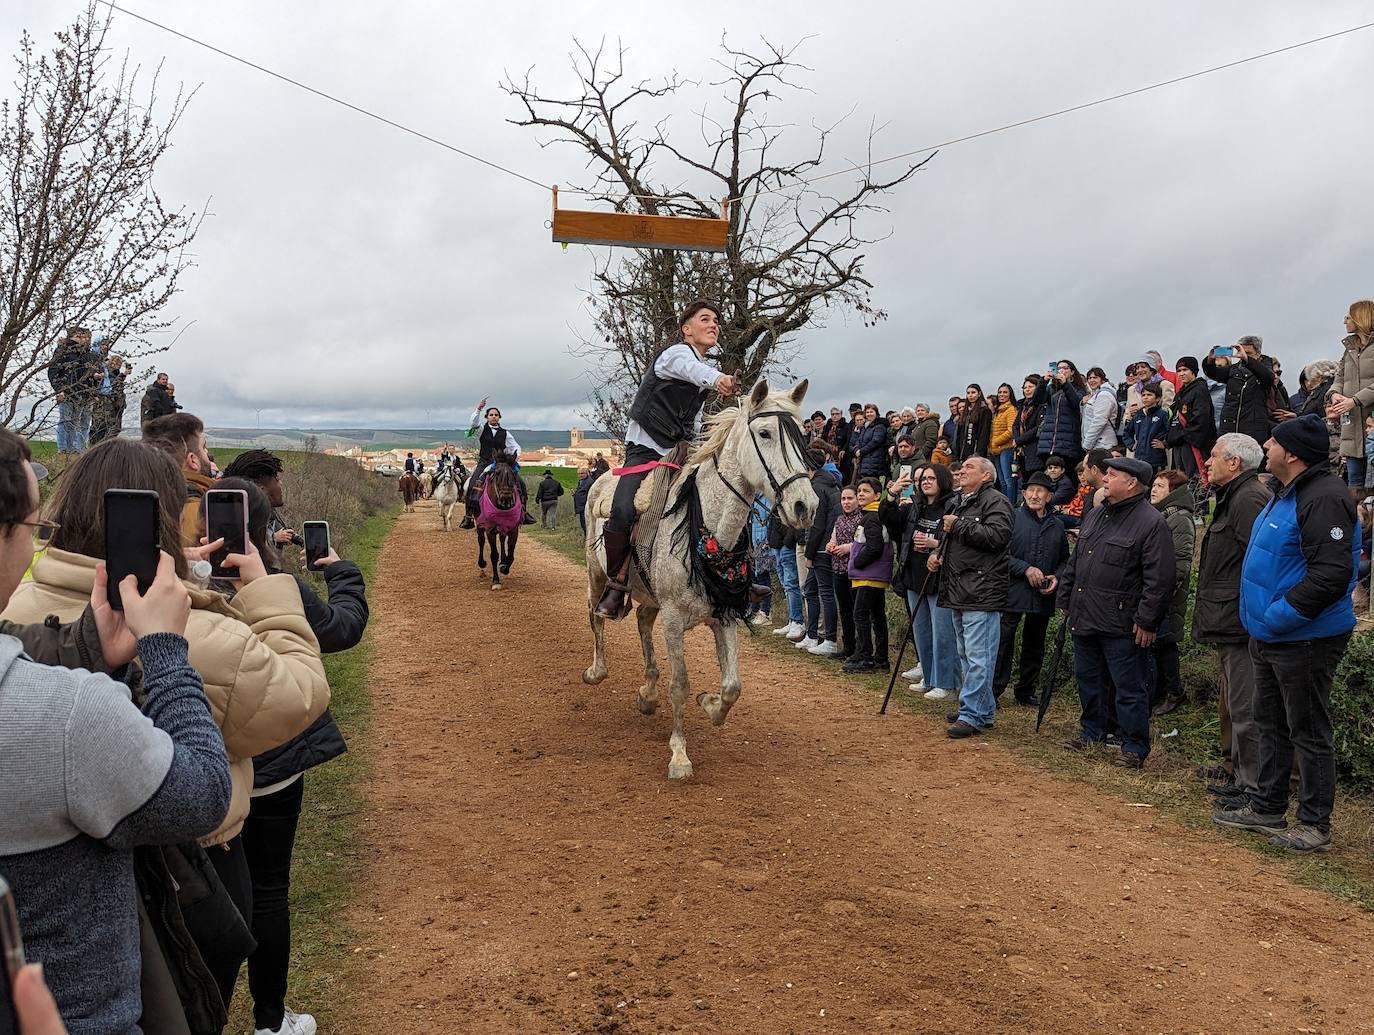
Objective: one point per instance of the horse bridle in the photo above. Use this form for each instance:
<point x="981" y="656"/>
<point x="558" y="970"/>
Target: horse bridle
<point x="788" y="431"/>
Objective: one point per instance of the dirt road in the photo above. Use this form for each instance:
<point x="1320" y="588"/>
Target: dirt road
<point x="531" y="869"/>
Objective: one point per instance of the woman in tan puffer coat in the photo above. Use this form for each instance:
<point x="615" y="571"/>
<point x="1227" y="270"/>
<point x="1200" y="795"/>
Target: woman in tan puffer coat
<point x="258" y="658"/>
<point x="1352" y="396"/>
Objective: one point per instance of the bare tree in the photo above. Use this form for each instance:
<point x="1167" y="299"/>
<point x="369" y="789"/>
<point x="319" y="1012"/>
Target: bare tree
<point x="793" y="249"/>
<point x="85" y="239"/>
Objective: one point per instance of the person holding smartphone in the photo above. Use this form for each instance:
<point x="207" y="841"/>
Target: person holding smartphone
<point x="85" y="776"/>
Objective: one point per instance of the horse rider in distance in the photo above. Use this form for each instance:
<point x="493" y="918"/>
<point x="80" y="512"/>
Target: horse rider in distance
<point x="491" y="443"/>
<point x="664" y="412"/>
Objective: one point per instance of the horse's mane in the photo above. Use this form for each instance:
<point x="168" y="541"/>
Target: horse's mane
<point x="716" y="427"/>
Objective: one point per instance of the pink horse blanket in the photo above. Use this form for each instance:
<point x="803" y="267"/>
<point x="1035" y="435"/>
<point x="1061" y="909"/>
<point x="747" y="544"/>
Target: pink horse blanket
<point x="489" y="515"/>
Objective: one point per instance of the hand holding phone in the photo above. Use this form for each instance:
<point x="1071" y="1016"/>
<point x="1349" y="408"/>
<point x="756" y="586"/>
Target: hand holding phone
<point x="226" y="519"/>
<point x="317" y="546"/>
<point x="166" y="606"/>
<point x="133" y="530"/>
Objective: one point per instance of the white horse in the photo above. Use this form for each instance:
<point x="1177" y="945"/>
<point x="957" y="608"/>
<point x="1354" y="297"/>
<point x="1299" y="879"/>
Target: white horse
<point x="427" y="485"/>
<point x="754" y="449"/>
<point x="447" y="492"/>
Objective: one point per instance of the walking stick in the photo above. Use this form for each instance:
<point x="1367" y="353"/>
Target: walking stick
<point x="910" y="635"/>
<point x="1052" y="674"/>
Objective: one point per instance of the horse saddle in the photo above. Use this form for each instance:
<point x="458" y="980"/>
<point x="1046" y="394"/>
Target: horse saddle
<point x="652" y="495"/>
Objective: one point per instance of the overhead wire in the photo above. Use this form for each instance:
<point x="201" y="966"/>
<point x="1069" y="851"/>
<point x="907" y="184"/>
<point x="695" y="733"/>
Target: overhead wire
<point x="327" y="96"/>
<point x="853" y="167"/>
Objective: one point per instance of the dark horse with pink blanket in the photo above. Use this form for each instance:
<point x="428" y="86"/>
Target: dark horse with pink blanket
<point x="499" y="512"/>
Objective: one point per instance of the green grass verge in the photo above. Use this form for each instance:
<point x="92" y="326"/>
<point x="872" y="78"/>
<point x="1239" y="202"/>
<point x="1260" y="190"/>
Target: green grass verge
<point x="328" y="861"/>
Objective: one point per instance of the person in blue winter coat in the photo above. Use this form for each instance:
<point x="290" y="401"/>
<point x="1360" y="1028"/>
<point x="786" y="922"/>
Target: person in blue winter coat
<point x="1146" y="429"/>
<point x="1300" y="568"/>
<point x="1061" y="426"/>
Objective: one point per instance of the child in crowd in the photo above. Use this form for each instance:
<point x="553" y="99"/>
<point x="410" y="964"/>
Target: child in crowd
<point x="1065" y="486"/>
<point x="1145" y="430"/>
<point x="870" y="572"/>
<point x="942" y="454"/>
<point x="841" y="540"/>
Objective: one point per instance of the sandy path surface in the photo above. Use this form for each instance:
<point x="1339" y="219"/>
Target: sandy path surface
<point x="531" y="869"/>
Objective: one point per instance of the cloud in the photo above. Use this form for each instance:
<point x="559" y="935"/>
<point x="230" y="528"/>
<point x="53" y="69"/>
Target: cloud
<point x="350" y="274"/>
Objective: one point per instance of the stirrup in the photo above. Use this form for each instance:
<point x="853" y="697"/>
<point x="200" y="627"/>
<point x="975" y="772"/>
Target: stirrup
<point x="623" y="588"/>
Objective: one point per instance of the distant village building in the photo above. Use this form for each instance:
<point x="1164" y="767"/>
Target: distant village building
<point x="581" y="451"/>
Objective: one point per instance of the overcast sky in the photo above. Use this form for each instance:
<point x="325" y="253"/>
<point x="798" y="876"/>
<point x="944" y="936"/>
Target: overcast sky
<point x="350" y="274"/>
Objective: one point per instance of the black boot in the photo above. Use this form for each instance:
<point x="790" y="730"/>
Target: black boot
<point x="615" y="598"/>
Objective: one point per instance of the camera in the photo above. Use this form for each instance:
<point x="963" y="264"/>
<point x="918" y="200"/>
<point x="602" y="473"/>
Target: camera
<point x="296" y="539"/>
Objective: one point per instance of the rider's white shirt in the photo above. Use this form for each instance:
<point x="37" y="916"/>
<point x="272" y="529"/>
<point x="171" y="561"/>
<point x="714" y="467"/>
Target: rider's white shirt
<point x="679" y="362"/>
<point x="512" y="446"/>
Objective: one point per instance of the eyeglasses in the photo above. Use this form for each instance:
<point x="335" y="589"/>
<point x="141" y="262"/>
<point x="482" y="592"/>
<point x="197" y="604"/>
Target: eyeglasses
<point x="43" y="531"/>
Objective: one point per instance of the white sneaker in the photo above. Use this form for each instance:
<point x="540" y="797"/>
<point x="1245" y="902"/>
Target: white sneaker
<point x="292" y="1024"/>
<point x="796" y="631"/>
<point x="919" y="686"/>
<point x="758" y="618"/>
<point x="938" y="694"/>
<point x="825" y="649"/>
<point x="807" y="643"/>
<point x="913" y="673"/>
<point x="786" y="630"/>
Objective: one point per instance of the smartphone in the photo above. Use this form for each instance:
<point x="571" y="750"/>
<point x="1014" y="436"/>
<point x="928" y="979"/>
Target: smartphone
<point x="12" y="946"/>
<point x="1053" y="367"/>
<point x="316" y="542"/>
<point x="226" y="517"/>
<point x="1226" y="350"/>
<point x="133" y="536"/>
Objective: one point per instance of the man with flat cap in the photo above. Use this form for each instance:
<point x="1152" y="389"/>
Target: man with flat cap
<point x="1116" y="588"/>
<point x="1295" y="585"/>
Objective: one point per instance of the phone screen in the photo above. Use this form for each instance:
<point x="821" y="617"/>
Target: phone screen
<point x="132" y="535"/>
<point x="226" y="517"/>
<point x="1226" y="350"/>
<point x="12" y="946"/>
<point x="316" y="542"/>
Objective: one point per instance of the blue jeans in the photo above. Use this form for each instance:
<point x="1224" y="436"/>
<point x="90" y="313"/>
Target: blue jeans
<point x="73" y="426"/>
<point x="978" y="634"/>
<point x="1355" y="469"/>
<point x="1100" y="662"/>
<point x="932" y="627"/>
<point x="785" y="558"/>
<point x="1004" y="461"/>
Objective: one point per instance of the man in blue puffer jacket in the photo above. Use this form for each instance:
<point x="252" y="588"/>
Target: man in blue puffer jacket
<point x="1299" y="571"/>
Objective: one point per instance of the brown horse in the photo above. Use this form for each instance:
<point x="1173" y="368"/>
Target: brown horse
<point x="409" y="490"/>
<point x="499" y="511"/>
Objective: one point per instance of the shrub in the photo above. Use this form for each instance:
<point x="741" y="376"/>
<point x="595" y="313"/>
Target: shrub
<point x="1352" y="713"/>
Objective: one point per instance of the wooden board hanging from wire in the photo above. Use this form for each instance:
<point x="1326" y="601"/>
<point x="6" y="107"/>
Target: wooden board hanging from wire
<point x="638" y="230"/>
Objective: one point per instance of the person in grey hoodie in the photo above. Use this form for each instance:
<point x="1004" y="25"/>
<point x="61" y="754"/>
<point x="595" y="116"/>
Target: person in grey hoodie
<point x="85" y="776"/>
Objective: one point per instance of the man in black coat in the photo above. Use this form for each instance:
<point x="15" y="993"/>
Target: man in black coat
<point x="1039" y="547"/>
<point x="546" y="495"/>
<point x="822" y="614"/>
<point x="1116" y="588"/>
<point x="75" y="374"/>
<point x="974" y="573"/>
<point x="156" y="402"/>
<point x="1249" y="384"/>
<point x="1233" y="471"/>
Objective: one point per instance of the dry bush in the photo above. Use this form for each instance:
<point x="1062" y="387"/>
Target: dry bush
<point x="333" y="489"/>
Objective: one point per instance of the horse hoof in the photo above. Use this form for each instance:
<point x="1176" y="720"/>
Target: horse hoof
<point x="679" y="770"/>
<point x="496" y="585"/>
<point x="648" y="705"/>
<point x="593" y="676"/>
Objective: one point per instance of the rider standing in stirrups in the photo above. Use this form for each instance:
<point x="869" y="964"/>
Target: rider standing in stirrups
<point x="664" y="412"/>
<point x="494" y="441"/>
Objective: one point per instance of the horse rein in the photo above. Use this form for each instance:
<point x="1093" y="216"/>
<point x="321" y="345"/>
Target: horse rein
<point x="788" y="431"/>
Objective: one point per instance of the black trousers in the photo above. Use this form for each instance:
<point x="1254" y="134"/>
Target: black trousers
<point x="1293" y="713"/>
<point x="269" y="835"/>
<point x="819" y="593"/>
<point x="844" y="604"/>
<point x="870" y="624"/>
<point x="1032" y="654"/>
<point x="622" y="517"/>
<point x="231" y="863"/>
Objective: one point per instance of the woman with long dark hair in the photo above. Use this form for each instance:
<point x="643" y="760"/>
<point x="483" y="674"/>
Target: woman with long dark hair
<point x="1026" y="431"/>
<point x="973" y="432"/>
<point x="1001" y="447"/>
<point x="1061" y="428"/>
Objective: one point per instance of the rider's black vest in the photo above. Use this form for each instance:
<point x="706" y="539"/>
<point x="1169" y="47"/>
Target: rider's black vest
<point x="493" y="444"/>
<point x="667" y="408"/>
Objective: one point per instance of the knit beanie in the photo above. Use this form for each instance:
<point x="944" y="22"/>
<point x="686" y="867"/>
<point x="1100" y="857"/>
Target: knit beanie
<point x="1305" y="437"/>
<point x="1187" y="363"/>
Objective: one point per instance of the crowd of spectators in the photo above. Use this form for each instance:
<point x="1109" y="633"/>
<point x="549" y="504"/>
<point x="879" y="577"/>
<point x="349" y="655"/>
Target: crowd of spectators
<point x="1099" y="500"/>
<point x="153" y="759"/>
